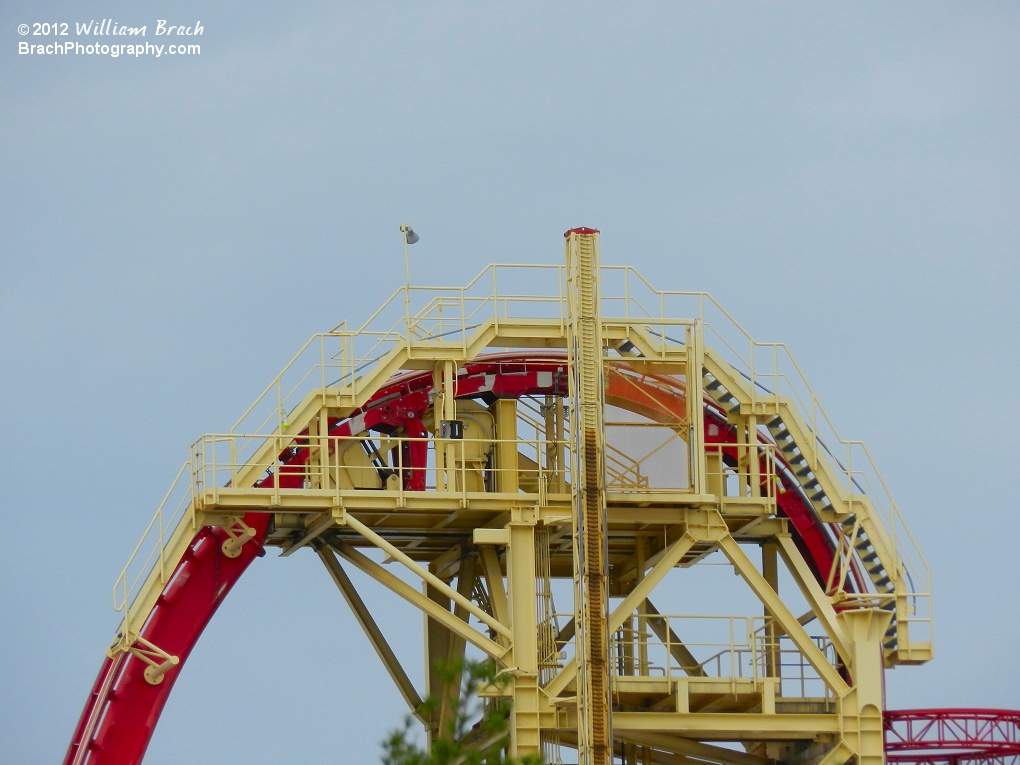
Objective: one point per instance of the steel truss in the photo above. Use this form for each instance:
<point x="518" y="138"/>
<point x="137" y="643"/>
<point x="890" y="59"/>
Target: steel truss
<point x="952" y="736"/>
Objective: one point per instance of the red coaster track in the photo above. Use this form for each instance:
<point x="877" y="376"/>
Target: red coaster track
<point x="952" y="736"/>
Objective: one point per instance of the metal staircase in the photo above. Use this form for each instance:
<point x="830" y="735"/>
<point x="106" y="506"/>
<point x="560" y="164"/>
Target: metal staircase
<point x="816" y="473"/>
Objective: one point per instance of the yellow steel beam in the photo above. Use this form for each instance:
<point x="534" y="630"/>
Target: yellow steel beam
<point x="526" y="712"/>
<point x="680" y="652"/>
<point x="372" y="631"/>
<point x="455" y="648"/>
<point x="782" y="614"/>
<point x="415" y="598"/>
<point x="427" y="576"/>
<point x="234" y="501"/>
<point x="494" y="579"/>
<point x="820" y="603"/>
<point x="672" y="557"/>
<point x="695" y="749"/>
<point x="315" y="528"/>
<point x="839" y="754"/>
<point x="723" y="726"/>
<point x="673" y="554"/>
<point x="447" y="565"/>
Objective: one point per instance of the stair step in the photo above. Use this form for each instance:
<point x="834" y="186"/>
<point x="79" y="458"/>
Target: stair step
<point x="867" y="554"/>
<point x="875" y="569"/>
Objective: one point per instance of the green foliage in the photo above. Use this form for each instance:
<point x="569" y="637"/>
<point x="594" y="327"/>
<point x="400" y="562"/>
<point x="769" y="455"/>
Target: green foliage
<point x="471" y="720"/>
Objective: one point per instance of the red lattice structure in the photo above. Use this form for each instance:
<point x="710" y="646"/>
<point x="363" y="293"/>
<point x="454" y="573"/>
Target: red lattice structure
<point x="953" y="736"/>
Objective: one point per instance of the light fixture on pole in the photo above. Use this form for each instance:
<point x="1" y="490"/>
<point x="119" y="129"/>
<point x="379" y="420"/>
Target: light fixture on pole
<point x="409" y="238"/>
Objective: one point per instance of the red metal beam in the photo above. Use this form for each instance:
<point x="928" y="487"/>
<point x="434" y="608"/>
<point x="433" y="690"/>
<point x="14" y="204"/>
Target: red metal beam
<point x="952" y="736"/>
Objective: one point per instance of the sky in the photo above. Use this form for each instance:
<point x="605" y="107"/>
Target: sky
<point x="842" y="177"/>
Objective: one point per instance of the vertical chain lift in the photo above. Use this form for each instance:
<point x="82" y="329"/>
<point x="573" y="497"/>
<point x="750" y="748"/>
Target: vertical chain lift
<point x="587" y="389"/>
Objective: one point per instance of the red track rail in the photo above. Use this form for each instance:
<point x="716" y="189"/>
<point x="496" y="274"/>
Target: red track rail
<point x="952" y="736"/>
<point x="123" y="708"/>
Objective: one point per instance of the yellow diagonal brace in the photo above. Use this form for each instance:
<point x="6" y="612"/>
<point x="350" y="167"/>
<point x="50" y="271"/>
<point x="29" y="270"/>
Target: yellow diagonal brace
<point x="660" y="626"/>
<point x="695" y="749"/>
<point x="313" y="531"/>
<point x="839" y="754"/>
<point x="644" y="588"/>
<point x="821" y="605"/>
<point x="415" y="598"/>
<point x="667" y="563"/>
<point x="428" y="576"/>
<point x="782" y="614"/>
<point x="494" y="578"/>
<point x="375" y="636"/>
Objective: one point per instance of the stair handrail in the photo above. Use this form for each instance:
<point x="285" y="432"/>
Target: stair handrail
<point x="125" y="586"/>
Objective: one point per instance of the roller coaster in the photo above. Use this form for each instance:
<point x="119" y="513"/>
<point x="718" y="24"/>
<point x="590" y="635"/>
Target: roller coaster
<point x="571" y="437"/>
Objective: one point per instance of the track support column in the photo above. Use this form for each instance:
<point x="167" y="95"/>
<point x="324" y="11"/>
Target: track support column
<point x="525" y="715"/>
<point x="862" y="706"/>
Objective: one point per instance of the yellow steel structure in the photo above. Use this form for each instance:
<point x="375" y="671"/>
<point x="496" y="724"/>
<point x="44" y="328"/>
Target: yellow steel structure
<point x="607" y="485"/>
<point x="584" y="354"/>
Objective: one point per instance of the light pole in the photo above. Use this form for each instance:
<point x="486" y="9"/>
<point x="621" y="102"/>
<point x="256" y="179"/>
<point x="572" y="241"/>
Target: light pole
<point x="409" y="238"/>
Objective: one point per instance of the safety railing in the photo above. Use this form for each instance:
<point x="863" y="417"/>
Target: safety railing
<point x="172" y="516"/>
<point x="510" y="291"/>
<point x="718" y="647"/>
<point x="743" y="471"/>
<point x="710" y="646"/>
<point x="344" y="357"/>
<point x="623" y="473"/>
<point x="798" y="679"/>
<point x="646" y="456"/>
<point x="457" y="466"/>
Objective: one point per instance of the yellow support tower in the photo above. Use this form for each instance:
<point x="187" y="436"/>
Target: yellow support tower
<point x="732" y="578"/>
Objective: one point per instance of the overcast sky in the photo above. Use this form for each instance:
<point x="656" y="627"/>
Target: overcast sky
<point x="843" y="177"/>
